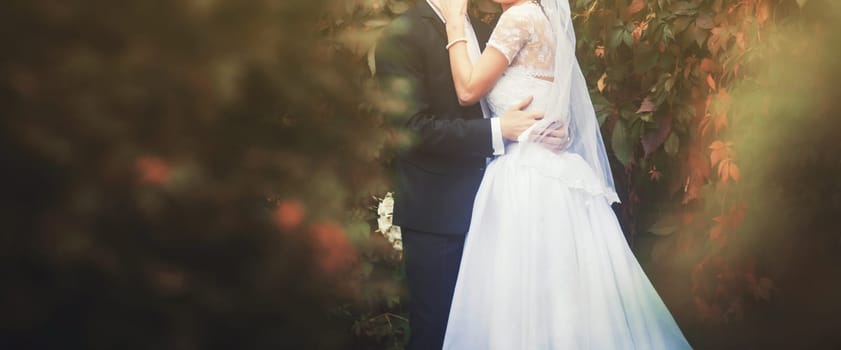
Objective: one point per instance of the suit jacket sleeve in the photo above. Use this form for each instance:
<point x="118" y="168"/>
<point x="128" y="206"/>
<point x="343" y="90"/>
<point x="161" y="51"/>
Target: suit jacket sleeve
<point x="400" y="71"/>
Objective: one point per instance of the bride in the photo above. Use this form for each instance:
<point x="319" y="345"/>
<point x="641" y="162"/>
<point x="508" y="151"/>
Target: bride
<point x="545" y="263"/>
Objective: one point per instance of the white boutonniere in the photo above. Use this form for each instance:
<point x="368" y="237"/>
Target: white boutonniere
<point x="385" y="213"/>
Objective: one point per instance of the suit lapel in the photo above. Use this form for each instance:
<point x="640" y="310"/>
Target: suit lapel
<point x="429" y="14"/>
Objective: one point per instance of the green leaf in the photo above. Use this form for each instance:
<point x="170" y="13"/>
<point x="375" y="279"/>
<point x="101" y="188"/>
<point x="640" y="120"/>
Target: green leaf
<point x="680" y="24"/>
<point x="629" y="115"/>
<point x="372" y="63"/>
<point x="685" y="8"/>
<point x="670" y="83"/>
<point x="366" y="268"/>
<point x="627" y="38"/>
<point x="617" y="73"/>
<point x="635" y="132"/>
<point x="602" y="107"/>
<point x="672" y="144"/>
<point x="704" y="21"/>
<point x="700" y="35"/>
<point x="662" y="248"/>
<point x="685" y="114"/>
<point x="398" y="7"/>
<point x="377" y="22"/>
<point x="635" y="6"/>
<point x="614" y="37"/>
<point x="666" y="226"/>
<point x="622" y="146"/>
<point x="358" y="233"/>
<point x="645" y="58"/>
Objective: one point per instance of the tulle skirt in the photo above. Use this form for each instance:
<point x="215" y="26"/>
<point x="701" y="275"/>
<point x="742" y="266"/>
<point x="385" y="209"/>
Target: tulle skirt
<point x="546" y="266"/>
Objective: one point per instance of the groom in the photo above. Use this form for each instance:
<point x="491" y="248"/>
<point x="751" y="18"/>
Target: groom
<point x="439" y="175"/>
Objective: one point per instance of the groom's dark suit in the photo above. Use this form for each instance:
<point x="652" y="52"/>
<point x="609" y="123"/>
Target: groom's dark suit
<point x="438" y="176"/>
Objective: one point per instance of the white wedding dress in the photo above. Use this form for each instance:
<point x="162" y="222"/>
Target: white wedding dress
<point x="545" y="263"/>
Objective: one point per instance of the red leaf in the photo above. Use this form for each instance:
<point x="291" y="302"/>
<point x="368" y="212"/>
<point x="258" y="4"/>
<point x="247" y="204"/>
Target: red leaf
<point x="708" y="65"/>
<point x="637" y="33"/>
<point x="724" y="170"/>
<point x="654" y="174"/>
<point x="717" y="231"/>
<point x="599" y="51"/>
<point x="647" y="106"/>
<point x="289" y="214"/>
<point x="717" y="155"/>
<point x="716" y="39"/>
<point x="740" y="41"/>
<point x="153" y="170"/>
<point x="602" y="83"/>
<point x="735" y="173"/>
<point x="334" y="252"/>
<point x="697" y="169"/>
<point x="652" y="139"/>
<point x="635" y="6"/>
<point x="717" y="145"/>
<point x="723" y="98"/>
<point x="705" y="124"/>
<point x="721" y="121"/>
<point x="711" y="81"/>
<point x="763" y="11"/>
<point x="687" y="218"/>
<point x="737" y="214"/>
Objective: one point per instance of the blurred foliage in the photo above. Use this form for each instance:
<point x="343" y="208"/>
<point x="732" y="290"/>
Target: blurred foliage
<point x="718" y="114"/>
<point x="178" y="174"/>
<point x="198" y="173"/>
<point x="776" y="236"/>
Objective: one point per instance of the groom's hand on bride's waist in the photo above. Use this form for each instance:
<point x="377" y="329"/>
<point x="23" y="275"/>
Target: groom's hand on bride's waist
<point x="554" y="136"/>
<point x="516" y="120"/>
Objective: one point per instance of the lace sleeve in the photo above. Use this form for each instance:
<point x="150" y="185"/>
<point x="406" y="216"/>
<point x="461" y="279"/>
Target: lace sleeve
<point x="512" y="32"/>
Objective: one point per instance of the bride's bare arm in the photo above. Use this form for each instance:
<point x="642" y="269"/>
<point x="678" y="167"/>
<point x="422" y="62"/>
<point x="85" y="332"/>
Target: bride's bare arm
<point x="472" y="82"/>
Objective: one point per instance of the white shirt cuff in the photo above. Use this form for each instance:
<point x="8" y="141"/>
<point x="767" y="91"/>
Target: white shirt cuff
<point x="496" y="137"/>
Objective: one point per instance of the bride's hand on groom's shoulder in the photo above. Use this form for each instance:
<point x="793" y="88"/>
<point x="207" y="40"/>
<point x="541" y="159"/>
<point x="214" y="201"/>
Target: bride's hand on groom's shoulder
<point x="554" y="137"/>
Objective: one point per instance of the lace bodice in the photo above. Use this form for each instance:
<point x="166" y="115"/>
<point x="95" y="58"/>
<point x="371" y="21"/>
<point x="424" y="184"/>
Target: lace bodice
<point x="534" y="42"/>
<point x="523" y="36"/>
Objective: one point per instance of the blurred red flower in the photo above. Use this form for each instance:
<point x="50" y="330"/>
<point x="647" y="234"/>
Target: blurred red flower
<point x="153" y="170"/>
<point x="289" y="214"/>
<point x="335" y="251"/>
